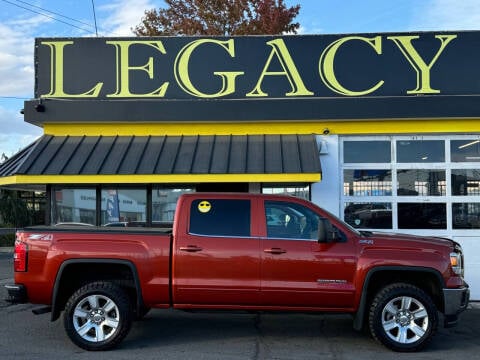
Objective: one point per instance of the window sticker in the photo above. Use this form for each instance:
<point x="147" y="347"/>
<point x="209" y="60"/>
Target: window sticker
<point x="204" y="206"/>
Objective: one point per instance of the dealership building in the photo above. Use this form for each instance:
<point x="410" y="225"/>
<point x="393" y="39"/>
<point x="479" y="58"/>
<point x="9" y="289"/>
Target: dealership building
<point x="382" y="130"/>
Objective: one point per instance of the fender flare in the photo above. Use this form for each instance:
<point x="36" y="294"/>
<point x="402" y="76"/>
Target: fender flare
<point x="359" y="316"/>
<point x="55" y="306"/>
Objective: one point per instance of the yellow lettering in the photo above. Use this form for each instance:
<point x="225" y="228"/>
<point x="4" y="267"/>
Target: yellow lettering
<point x="327" y="62"/>
<point x="279" y="49"/>
<point x="124" y="68"/>
<point x="404" y="43"/>
<point x="56" y="73"/>
<point x="183" y="77"/>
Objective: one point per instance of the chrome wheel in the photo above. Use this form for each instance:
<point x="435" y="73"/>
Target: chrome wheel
<point x="403" y="317"/>
<point x="96" y="318"/>
<point x="405" y="320"/>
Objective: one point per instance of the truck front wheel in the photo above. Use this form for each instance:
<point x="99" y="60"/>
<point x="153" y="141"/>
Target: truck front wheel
<point x="403" y="317"/>
<point x="98" y="316"/>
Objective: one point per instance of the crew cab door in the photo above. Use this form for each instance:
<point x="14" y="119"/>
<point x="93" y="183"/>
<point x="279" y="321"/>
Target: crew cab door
<point x="216" y="260"/>
<point x="298" y="271"/>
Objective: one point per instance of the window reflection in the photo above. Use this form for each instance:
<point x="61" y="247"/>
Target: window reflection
<point x="74" y="206"/>
<point x="422" y="216"/>
<point x="369" y="215"/>
<point x="466" y="215"/>
<point x="164" y="203"/>
<point x="465" y="150"/>
<point x="466" y="182"/>
<point x="367" y="182"/>
<point x="415" y="182"/>
<point x="124" y="207"/>
<point x="420" y="151"/>
<point x="366" y="152"/>
<point x="302" y="192"/>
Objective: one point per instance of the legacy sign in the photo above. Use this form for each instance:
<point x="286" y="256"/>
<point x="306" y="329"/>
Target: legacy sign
<point x="259" y="67"/>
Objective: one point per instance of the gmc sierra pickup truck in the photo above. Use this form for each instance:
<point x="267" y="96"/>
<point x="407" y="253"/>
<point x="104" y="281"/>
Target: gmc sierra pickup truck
<point x="247" y="252"/>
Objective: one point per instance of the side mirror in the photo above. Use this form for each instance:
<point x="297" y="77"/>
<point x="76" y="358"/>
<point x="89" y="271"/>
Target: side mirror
<point x="326" y="232"/>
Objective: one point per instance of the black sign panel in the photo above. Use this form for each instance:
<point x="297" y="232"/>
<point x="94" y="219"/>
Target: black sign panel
<point x="259" y="67"/>
<point x="251" y="78"/>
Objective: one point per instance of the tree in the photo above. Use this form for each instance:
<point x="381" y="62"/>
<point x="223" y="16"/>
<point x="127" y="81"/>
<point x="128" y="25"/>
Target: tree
<point x="219" y="17"/>
<point x="13" y="210"/>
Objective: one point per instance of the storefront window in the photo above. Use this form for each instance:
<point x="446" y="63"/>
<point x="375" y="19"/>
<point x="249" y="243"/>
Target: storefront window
<point x="369" y="215"/>
<point x="366" y="182"/>
<point x="467" y="150"/>
<point x="420" y="151"/>
<point x="74" y="206"/>
<point x="302" y="192"/>
<point x="422" y="216"/>
<point x="164" y="203"/>
<point x="124" y="206"/>
<point x="466" y="182"/>
<point x="466" y="215"/>
<point x="417" y="182"/>
<point x="366" y="152"/>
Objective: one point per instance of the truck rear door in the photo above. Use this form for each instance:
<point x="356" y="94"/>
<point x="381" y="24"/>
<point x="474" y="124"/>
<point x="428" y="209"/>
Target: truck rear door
<point x="216" y="260"/>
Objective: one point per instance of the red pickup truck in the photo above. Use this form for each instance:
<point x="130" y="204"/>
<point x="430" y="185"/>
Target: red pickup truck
<point x="247" y="252"/>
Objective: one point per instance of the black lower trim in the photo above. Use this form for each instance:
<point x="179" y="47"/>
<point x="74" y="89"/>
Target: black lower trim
<point x="17" y="294"/>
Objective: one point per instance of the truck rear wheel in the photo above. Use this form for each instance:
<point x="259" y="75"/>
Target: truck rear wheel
<point x="403" y="317"/>
<point x="98" y="316"/>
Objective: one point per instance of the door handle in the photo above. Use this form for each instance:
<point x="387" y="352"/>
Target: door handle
<point x="275" y="251"/>
<point x="190" y="248"/>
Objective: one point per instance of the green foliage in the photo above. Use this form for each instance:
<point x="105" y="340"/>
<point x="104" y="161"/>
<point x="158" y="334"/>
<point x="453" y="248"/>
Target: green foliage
<point x="13" y="210"/>
<point x="7" y="240"/>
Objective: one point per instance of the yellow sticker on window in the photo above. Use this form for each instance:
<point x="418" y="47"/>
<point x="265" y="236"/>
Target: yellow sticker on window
<point x="204" y="206"/>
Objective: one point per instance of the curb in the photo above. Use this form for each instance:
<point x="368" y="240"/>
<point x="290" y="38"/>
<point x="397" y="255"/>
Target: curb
<point x="6" y="249"/>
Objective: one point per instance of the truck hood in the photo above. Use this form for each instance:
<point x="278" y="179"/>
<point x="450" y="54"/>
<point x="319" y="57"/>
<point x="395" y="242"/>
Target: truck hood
<point x="404" y="240"/>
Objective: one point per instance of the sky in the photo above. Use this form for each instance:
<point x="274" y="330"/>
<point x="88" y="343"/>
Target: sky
<point x="21" y="21"/>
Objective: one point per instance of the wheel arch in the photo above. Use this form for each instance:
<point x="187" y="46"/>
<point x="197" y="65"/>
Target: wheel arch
<point x="377" y="278"/>
<point x="68" y="279"/>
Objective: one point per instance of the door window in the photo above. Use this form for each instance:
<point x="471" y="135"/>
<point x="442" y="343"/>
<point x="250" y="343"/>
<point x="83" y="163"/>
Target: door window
<point x="220" y="217"/>
<point x="290" y="221"/>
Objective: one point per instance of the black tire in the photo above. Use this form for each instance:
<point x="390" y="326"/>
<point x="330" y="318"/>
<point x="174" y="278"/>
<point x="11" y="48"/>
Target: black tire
<point x="98" y="316"/>
<point x="403" y="318"/>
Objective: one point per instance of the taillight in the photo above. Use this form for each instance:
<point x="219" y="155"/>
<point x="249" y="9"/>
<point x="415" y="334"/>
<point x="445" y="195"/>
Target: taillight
<point x="20" y="257"/>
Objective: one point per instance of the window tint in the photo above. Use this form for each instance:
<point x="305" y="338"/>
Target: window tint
<point x="465" y="150"/>
<point x="290" y="220"/>
<point x="420" y="182"/>
<point x="421" y="151"/>
<point x="366" y="152"/>
<point x="466" y="215"/>
<point x="366" y="182"/>
<point x="422" y="216"/>
<point x="368" y="215"/>
<point x="219" y="217"/>
<point x="466" y="182"/>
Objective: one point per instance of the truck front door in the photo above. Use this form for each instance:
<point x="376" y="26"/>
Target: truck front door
<point x="216" y="261"/>
<point x="297" y="271"/>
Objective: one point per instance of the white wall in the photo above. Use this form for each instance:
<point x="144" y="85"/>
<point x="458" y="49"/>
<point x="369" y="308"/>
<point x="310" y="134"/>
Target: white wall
<point x="326" y="193"/>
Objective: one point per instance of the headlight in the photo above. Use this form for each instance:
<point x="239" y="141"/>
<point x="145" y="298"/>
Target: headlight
<point x="456" y="261"/>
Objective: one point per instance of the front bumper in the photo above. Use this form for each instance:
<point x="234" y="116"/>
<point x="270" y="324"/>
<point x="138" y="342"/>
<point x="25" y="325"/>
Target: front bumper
<point x="455" y="301"/>
<point x="17" y="293"/>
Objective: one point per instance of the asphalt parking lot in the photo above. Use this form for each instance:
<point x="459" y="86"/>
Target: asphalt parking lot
<point x="171" y="334"/>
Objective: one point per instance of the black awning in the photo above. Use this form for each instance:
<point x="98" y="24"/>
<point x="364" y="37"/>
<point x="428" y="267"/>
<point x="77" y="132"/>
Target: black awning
<point x="53" y="156"/>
